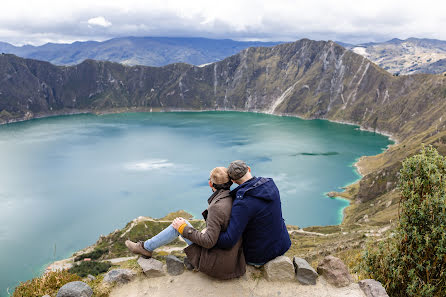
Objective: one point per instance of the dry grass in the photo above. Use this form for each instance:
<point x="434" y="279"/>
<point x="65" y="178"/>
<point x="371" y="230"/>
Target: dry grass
<point x="47" y="284"/>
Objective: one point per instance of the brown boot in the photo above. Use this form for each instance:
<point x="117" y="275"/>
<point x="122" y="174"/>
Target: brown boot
<point x="138" y="248"/>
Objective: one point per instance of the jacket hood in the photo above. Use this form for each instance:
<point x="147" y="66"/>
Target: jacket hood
<point x="258" y="187"/>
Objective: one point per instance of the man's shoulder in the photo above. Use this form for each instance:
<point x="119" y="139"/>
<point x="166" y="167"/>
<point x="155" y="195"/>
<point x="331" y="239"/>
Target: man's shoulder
<point x="221" y="199"/>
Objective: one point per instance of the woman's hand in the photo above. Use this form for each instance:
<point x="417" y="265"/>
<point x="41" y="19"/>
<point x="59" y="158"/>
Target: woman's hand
<point x="178" y="222"/>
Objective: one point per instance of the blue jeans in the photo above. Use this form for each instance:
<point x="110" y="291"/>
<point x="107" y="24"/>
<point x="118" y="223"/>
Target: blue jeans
<point x="164" y="237"/>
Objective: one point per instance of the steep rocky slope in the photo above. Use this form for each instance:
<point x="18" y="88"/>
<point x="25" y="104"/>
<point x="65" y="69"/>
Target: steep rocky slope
<point x="311" y="79"/>
<point x="306" y="78"/>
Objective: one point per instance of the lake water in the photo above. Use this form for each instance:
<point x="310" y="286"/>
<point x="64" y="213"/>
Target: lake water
<point x="64" y="181"/>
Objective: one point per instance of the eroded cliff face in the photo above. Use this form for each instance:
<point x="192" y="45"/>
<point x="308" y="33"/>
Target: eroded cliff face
<point x="312" y="79"/>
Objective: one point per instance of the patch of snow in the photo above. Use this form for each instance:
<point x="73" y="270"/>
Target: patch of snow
<point x="360" y="51"/>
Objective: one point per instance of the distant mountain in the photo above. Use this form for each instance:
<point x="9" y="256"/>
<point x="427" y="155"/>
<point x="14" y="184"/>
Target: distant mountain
<point x="409" y="56"/>
<point x="149" y="51"/>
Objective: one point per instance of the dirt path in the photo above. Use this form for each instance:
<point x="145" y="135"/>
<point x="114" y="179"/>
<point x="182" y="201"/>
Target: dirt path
<point x="196" y="284"/>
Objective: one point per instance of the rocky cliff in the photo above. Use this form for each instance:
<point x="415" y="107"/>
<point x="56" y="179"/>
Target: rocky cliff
<point x="312" y="79"/>
<point x="131" y="276"/>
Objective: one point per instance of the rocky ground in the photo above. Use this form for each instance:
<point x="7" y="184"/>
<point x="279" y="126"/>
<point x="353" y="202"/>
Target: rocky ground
<point x="198" y="284"/>
<point x="279" y="277"/>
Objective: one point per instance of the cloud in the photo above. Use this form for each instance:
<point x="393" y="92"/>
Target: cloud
<point x="99" y="21"/>
<point x="23" y="21"/>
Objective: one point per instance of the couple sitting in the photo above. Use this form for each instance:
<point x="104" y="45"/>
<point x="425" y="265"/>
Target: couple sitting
<point x="245" y="223"/>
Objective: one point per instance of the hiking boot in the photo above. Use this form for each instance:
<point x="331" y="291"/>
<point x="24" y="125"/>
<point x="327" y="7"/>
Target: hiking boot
<point x="138" y="248"/>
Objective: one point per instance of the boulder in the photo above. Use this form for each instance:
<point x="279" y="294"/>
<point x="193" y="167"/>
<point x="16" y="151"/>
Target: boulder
<point x="151" y="267"/>
<point x="75" y="289"/>
<point x="120" y="276"/>
<point x="279" y="269"/>
<point x="174" y="265"/>
<point x="372" y="288"/>
<point x="305" y="274"/>
<point x="335" y="271"/>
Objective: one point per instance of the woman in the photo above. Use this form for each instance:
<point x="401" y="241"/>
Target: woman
<point x="218" y="263"/>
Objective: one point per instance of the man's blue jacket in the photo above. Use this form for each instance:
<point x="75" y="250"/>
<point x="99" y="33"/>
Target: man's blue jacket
<point x="257" y="216"/>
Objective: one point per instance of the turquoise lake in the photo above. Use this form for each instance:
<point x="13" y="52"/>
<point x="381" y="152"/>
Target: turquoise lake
<point x="66" y="180"/>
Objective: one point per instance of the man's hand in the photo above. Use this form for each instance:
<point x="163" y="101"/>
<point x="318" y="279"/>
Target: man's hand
<point x="178" y="222"/>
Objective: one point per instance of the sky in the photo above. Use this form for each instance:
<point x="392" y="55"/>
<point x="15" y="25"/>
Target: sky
<point x="38" y="22"/>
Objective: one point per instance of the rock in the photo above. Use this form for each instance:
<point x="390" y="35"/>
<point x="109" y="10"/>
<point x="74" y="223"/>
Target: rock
<point x="279" y="269"/>
<point x="305" y="274"/>
<point x="91" y="277"/>
<point x="253" y="272"/>
<point x="151" y="267"/>
<point x="188" y="264"/>
<point x="121" y="276"/>
<point x="335" y="271"/>
<point x="75" y="289"/>
<point x="174" y="265"/>
<point x="46" y="296"/>
<point x="372" y="288"/>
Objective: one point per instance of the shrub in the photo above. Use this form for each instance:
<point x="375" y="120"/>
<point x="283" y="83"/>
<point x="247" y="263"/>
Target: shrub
<point x="90" y="267"/>
<point x="94" y="255"/>
<point x="413" y="261"/>
<point x="47" y="284"/>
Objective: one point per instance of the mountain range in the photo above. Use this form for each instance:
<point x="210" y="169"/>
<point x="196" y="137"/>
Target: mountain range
<point x="150" y="51"/>
<point x="413" y="55"/>
<point x="397" y="56"/>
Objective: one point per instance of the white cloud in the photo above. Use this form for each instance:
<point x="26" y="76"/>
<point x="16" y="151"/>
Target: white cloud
<point x="99" y="21"/>
<point x="24" y="21"/>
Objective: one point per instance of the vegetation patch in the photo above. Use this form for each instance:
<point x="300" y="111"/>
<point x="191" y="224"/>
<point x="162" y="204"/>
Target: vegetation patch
<point x="94" y="255"/>
<point x="99" y="288"/>
<point x="90" y="267"/>
<point x="412" y="262"/>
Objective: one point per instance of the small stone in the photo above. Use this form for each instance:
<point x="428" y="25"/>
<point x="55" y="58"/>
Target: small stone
<point x="151" y="267"/>
<point x="46" y="296"/>
<point x="91" y="277"/>
<point x="174" y="265"/>
<point x="372" y="288"/>
<point x="121" y="276"/>
<point x="188" y="264"/>
<point x="305" y="274"/>
<point x="75" y="289"/>
<point x="335" y="271"/>
<point x="279" y="269"/>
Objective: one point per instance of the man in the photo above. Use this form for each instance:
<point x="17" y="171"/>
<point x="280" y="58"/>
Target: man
<point x="256" y="216"/>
